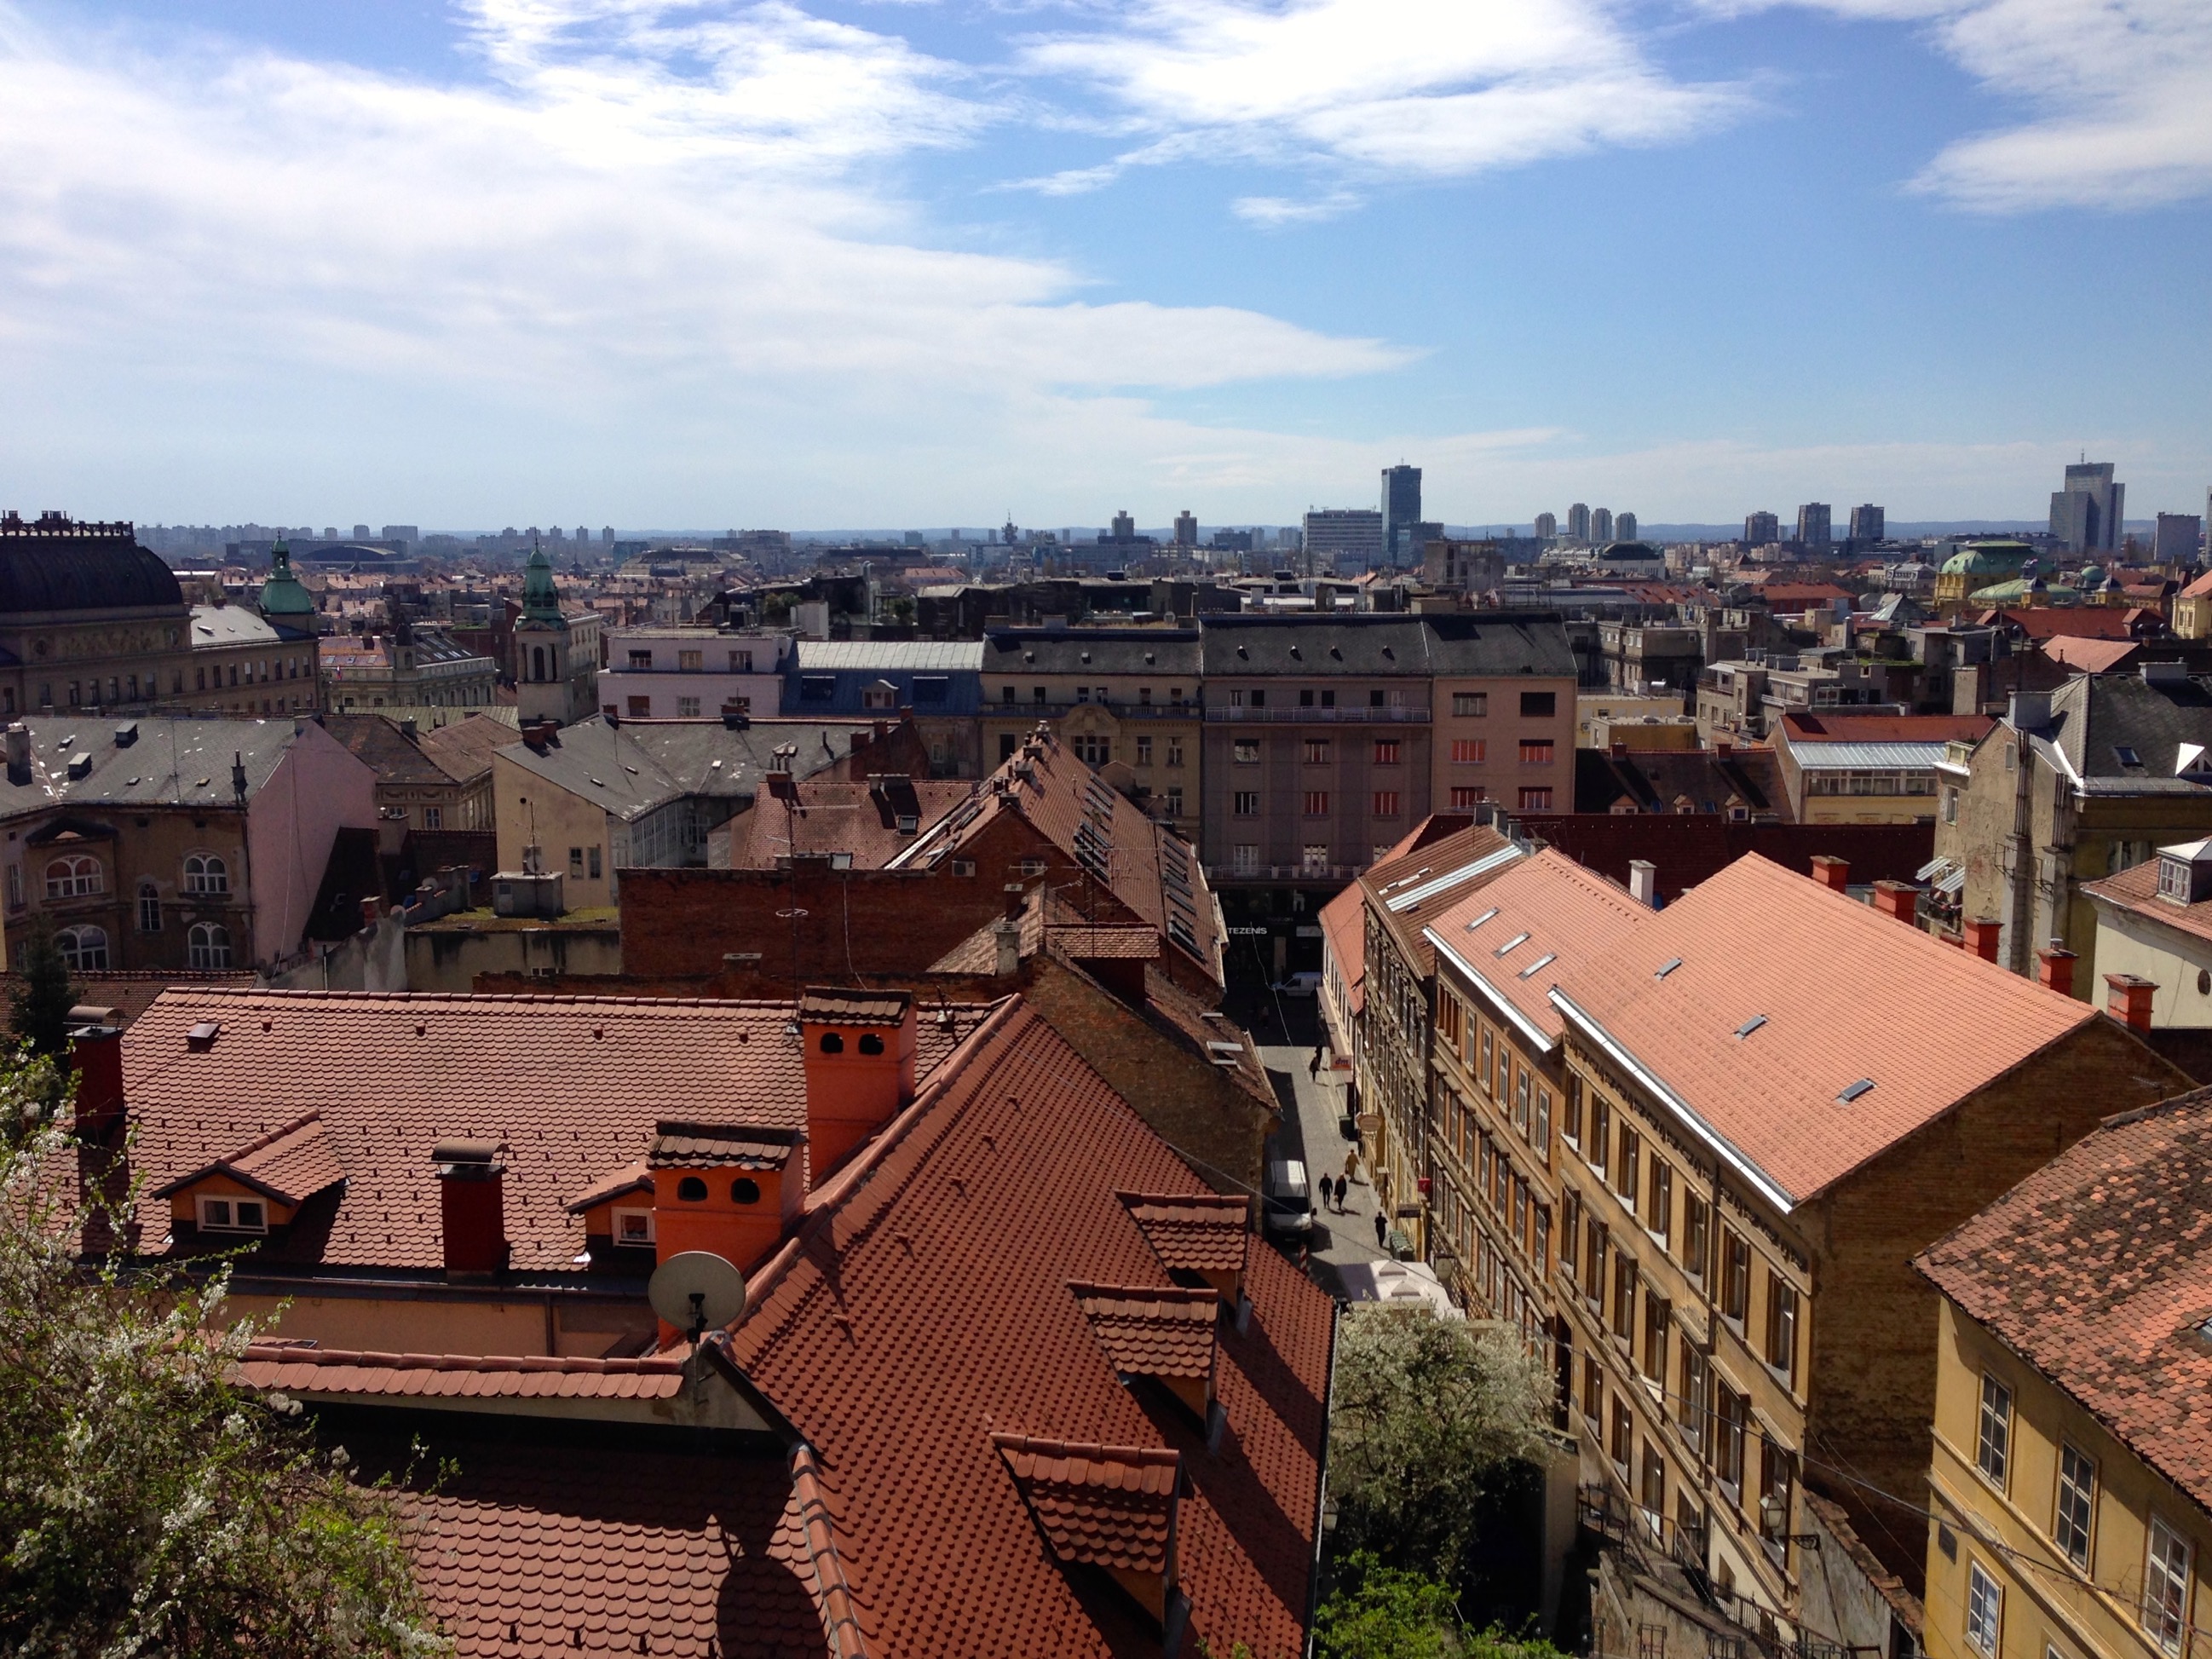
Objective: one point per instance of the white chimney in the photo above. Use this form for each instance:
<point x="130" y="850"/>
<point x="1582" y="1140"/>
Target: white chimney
<point x="1643" y="883"/>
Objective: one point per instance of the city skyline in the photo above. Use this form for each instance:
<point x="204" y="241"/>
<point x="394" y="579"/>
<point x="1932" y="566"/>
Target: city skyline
<point x="870" y="264"/>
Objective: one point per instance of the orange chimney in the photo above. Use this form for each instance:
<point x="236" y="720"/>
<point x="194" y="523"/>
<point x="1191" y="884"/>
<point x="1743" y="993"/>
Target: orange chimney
<point x="860" y="1068"/>
<point x="1981" y="935"/>
<point x="472" y="1206"/>
<point x="1832" y="871"/>
<point x="1899" y="899"/>
<point x="2055" y="968"/>
<point x="97" y="1052"/>
<point x="2127" y="999"/>
<point x="728" y="1189"/>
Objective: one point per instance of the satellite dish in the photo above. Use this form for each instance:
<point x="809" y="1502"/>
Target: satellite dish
<point x="698" y="1291"/>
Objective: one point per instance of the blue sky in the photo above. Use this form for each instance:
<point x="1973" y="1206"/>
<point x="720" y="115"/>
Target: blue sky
<point x="626" y="261"/>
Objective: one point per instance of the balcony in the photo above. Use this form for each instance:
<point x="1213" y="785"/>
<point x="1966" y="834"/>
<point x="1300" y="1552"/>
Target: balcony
<point x="1356" y="716"/>
<point x="1120" y="711"/>
<point x="1217" y="873"/>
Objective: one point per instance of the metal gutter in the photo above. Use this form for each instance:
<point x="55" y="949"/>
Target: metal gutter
<point x="1535" y="1034"/>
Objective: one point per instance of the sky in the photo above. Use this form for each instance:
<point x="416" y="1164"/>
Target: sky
<point x="939" y="262"/>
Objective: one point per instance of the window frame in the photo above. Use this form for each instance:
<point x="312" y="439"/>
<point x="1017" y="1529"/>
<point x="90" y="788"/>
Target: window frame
<point x="208" y="947"/>
<point x="203" y="1205"/>
<point x="1984" y="1629"/>
<point x="1993" y="1431"/>
<point x="2068" y="1529"/>
<point x="210" y="879"/>
<point x="626" y="1213"/>
<point x="2174" y="1614"/>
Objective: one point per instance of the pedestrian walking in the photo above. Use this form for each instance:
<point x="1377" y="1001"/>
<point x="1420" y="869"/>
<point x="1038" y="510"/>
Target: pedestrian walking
<point x="1382" y="1231"/>
<point x="1351" y="1164"/>
<point x="1341" y="1187"/>
<point x="1314" y="1070"/>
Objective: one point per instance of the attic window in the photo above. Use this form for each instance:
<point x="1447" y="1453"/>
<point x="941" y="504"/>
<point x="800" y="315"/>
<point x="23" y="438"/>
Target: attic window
<point x="634" y="1227"/>
<point x="1749" y="1026"/>
<point x="1548" y="956"/>
<point x="2125" y="755"/>
<point x="1518" y="940"/>
<point x="1852" y="1091"/>
<point x="201" y="1037"/>
<point x="233" y="1215"/>
<point x="1485" y="917"/>
<point x="1667" y="967"/>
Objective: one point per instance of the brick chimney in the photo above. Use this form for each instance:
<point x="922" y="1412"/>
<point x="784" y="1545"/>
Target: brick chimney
<point x="2055" y="968"/>
<point x="96" y="1051"/>
<point x="1980" y="935"/>
<point x="1899" y="899"/>
<point x="472" y="1206"/>
<point x="1832" y="871"/>
<point x="860" y="1047"/>
<point x="729" y="1189"/>
<point x="2128" y="999"/>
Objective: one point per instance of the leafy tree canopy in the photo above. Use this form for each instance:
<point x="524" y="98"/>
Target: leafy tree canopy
<point x="148" y="1506"/>
<point x="39" y="1008"/>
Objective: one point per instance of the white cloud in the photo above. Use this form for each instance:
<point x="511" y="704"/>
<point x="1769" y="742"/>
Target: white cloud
<point x="2114" y="98"/>
<point x="1425" y="87"/>
<point x="661" y="236"/>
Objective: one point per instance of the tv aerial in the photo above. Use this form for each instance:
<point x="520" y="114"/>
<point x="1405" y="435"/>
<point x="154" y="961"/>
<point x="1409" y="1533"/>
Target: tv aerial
<point x="696" y="1291"/>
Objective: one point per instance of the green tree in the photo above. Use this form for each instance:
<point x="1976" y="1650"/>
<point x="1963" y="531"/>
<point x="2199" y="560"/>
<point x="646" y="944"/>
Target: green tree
<point x="149" y="1507"/>
<point x="39" y="1007"/>
<point x="1379" y="1612"/>
<point x="1429" y="1413"/>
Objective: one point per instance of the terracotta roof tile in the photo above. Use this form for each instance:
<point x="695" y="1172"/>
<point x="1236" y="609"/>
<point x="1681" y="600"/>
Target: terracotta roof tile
<point x="1148" y="1331"/>
<point x="2135" y="889"/>
<point x="1193" y="1232"/>
<point x="572" y="1087"/>
<point x="291" y="1163"/>
<point x="343" y="1371"/>
<point x="1113" y="1506"/>
<point x="818" y="816"/>
<point x="1885" y="728"/>
<point x="925" y="1304"/>
<point x="719" y="1145"/>
<point x="2097" y="1270"/>
<point x="1526" y="929"/>
<point x="853" y="1007"/>
<point x="631" y="1178"/>
<point x="1750" y="1032"/>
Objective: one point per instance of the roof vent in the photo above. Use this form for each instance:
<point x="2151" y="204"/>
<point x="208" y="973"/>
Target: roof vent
<point x="201" y="1037"/>
<point x="1749" y="1026"/>
<point x="1548" y="957"/>
<point x="1852" y="1091"/>
<point x="1667" y="967"/>
<point x="80" y="768"/>
<point x="126" y="734"/>
<point x="1485" y="917"/>
<point x="1518" y="940"/>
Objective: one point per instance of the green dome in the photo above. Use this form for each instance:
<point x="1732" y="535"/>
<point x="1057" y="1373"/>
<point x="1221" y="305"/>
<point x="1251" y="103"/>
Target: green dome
<point x="282" y="594"/>
<point x="1998" y="559"/>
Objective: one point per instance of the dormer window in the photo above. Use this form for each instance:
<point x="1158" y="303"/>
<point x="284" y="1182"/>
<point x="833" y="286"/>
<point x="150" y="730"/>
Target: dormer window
<point x="634" y="1227"/>
<point x="2184" y="873"/>
<point x="233" y="1215"/>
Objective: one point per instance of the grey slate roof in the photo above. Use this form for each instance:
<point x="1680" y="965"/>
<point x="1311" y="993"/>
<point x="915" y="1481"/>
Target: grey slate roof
<point x="231" y="625"/>
<point x="2095" y="715"/>
<point x="1088" y="650"/>
<point x="170" y="763"/>
<point x="83" y="572"/>
<point x="636" y="766"/>
<point x="1473" y="644"/>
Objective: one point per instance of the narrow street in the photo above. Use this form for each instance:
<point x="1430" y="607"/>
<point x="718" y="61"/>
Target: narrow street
<point x="1285" y="1030"/>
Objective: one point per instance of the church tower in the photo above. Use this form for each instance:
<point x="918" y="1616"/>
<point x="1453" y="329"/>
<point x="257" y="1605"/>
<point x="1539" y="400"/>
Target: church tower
<point x="553" y="681"/>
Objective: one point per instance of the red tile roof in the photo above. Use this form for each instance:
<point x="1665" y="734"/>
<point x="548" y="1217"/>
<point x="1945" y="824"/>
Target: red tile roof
<point x="2097" y="1270"/>
<point x="430" y="1376"/>
<point x="1344" y="925"/>
<point x="1688" y="848"/>
<point x="2099" y="622"/>
<point x="2135" y="889"/>
<point x="1885" y="728"/>
<point x="821" y="816"/>
<point x="1928" y="1024"/>
<point x="1112" y="1506"/>
<point x="719" y="1145"/>
<point x="290" y="1165"/>
<point x="924" y="1308"/>
<point x="1192" y="1232"/>
<point x="2090" y="656"/>
<point x="574" y="1088"/>
<point x="1148" y="1331"/>
<point x="1546" y="914"/>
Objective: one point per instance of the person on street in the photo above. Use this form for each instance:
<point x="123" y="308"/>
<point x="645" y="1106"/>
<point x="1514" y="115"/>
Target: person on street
<point x="1342" y="1188"/>
<point x="1351" y="1164"/>
<point x="1314" y="1070"/>
<point x="1382" y="1231"/>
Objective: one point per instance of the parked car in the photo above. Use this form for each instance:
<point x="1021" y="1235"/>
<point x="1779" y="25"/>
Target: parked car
<point x="1286" y="1198"/>
<point x="1300" y="985"/>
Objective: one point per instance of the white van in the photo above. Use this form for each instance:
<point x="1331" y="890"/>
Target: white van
<point x="1287" y="1201"/>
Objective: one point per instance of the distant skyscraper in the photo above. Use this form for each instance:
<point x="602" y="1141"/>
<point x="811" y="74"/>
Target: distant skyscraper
<point x="2175" y="539"/>
<point x="583" y="534"/>
<point x="1601" y="524"/>
<point x="1186" y="523"/>
<point x="1623" y="527"/>
<point x="1760" y="528"/>
<point x="2086" y="515"/>
<point x="1548" y="526"/>
<point x="1812" y="525"/>
<point x="1579" y="523"/>
<point x="1125" y="527"/>
<point x="1866" y="523"/>
<point x="607" y="534"/>
<point x="360" y="533"/>
<point x="1401" y="510"/>
<point x="1351" y="537"/>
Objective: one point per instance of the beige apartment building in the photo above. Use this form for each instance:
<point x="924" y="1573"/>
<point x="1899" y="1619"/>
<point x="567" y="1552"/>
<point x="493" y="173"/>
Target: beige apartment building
<point x="1505" y="709"/>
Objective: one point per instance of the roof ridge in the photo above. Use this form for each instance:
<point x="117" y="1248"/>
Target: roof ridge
<point x="833" y="1594"/>
<point x="374" y="1360"/>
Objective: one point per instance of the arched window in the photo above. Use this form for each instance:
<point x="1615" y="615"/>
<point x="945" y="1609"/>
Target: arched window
<point x="209" y="946"/>
<point x="149" y="907"/>
<point x="84" y="950"/>
<point x="72" y="877"/>
<point x="206" y="874"/>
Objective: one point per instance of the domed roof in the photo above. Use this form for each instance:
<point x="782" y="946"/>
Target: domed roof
<point x="1987" y="559"/>
<point x="73" y="570"/>
<point x="1629" y="550"/>
<point x="281" y="595"/>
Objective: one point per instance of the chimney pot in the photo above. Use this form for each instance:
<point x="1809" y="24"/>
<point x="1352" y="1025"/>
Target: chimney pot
<point x="2128" y="999"/>
<point x="859" y="1055"/>
<point x="2055" y="968"/>
<point x="1643" y="883"/>
<point x="1899" y="899"/>
<point x="96" y="1051"/>
<point x="1832" y="871"/>
<point x="1016" y="900"/>
<point x="1980" y="935"/>
<point x="1619" y="750"/>
<point x="472" y="1206"/>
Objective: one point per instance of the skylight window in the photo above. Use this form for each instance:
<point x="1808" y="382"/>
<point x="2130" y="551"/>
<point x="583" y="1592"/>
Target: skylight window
<point x="2126" y="755"/>
<point x="1667" y="967"/>
<point x="1852" y="1091"/>
<point x="1548" y="957"/>
<point x="1484" y="917"/>
<point x="1518" y="940"/>
<point x="1749" y="1026"/>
